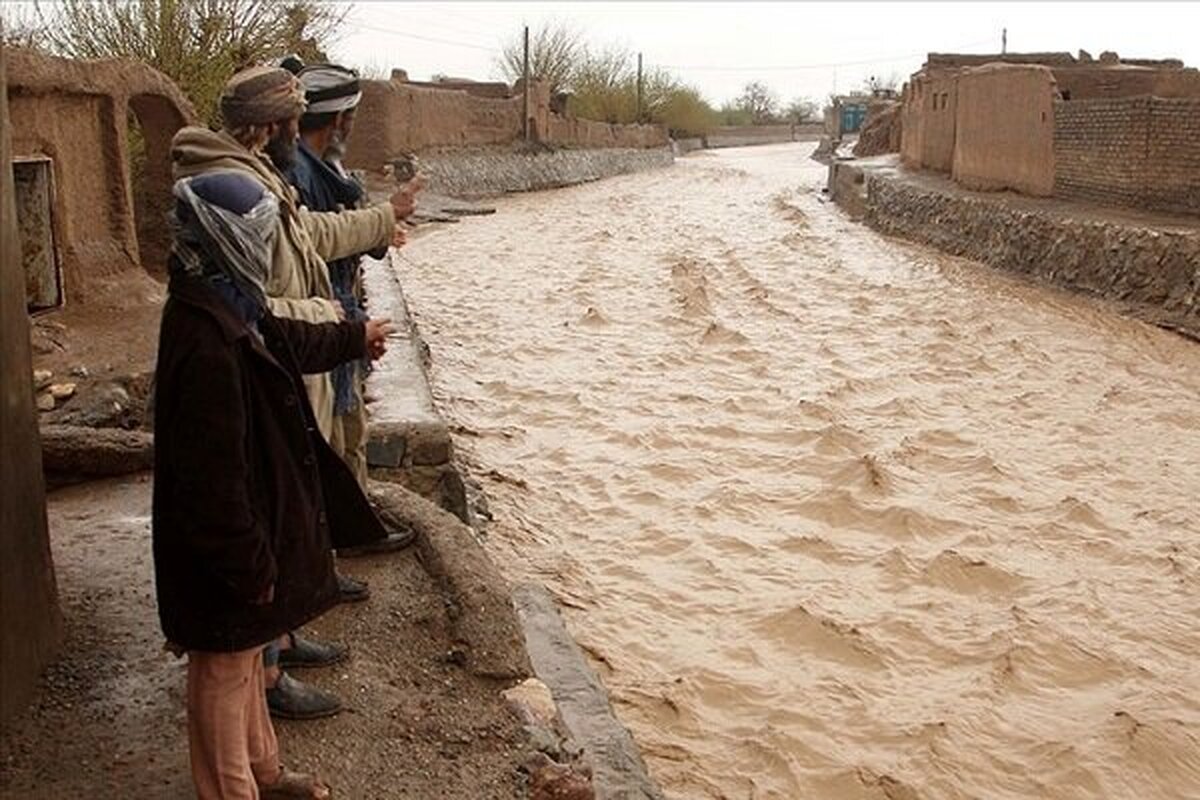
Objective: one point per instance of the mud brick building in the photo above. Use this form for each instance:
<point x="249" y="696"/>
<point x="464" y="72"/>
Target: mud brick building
<point x="91" y="146"/>
<point x="1118" y="132"/>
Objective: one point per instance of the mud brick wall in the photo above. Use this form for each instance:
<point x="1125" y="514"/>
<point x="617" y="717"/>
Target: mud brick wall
<point x="1005" y="129"/>
<point x="397" y="117"/>
<point x="1141" y="152"/>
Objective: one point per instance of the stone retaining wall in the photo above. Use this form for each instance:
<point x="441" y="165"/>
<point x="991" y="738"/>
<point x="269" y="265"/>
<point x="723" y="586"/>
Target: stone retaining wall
<point x="482" y="173"/>
<point x="1153" y="271"/>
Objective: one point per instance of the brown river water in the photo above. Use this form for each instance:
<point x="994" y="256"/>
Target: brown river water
<point x="836" y="516"/>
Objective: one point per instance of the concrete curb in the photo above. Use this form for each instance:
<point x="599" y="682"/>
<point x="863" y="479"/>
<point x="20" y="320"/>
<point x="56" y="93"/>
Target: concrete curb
<point x="618" y="771"/>
<point x="408" y="441"/>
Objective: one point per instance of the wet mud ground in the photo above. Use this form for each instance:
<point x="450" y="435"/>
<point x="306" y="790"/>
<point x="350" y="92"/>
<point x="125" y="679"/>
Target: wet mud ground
<point x="109" y="718"/>
<point x="835" y="515"/>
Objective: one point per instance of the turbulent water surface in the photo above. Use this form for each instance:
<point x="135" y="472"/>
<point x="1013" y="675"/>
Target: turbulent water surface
<point x="835" y="515"/>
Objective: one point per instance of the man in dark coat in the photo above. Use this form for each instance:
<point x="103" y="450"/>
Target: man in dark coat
<point x="248" y="496"/>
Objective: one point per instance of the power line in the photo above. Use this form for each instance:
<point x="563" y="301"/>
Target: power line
<point x="477" y="35"/>
<point x="800" y="67"/>
<point x="419" y="37"/>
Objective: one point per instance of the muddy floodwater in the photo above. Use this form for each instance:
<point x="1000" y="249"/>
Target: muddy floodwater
<point x="836" y="516"/>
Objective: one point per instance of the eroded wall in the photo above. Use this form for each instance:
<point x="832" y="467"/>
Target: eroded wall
<point x="78" y="114"/>
<point x="1005" y="129"/>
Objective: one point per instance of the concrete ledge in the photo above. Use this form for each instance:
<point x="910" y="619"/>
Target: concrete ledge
<point x="618" y="770"/>
<point x="480" y="173"/>
<point x="1149" y="264"/>
<point x="408" y="441"/>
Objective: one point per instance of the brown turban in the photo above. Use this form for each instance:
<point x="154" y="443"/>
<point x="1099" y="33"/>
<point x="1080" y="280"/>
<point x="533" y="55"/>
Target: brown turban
<point x="260" y="96"/>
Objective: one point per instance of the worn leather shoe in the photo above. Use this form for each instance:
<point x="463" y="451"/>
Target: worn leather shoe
<point x="291" y="699"/>
<point x="351" y="589"/>
<point x="307" y="653"/>
<point x="388" y="544"/>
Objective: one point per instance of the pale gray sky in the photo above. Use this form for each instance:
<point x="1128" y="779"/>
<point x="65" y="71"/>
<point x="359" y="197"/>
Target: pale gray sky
<point x="718" y="47"/>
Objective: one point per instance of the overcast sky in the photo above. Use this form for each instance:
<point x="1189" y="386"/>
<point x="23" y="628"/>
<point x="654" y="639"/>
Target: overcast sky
<point x="798" y="49"/>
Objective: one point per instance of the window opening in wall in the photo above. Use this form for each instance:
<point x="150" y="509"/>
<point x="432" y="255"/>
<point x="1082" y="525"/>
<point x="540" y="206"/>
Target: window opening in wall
<point x="33" y="179"/>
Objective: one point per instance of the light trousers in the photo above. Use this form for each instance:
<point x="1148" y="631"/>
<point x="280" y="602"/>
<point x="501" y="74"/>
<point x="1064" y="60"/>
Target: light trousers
<point x="233" y="746"/>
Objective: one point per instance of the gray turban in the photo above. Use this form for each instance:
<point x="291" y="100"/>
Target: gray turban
<point x="329" y="88"/>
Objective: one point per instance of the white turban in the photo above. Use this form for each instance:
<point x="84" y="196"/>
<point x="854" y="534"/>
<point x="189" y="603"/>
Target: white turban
<point x="329" y="88"/>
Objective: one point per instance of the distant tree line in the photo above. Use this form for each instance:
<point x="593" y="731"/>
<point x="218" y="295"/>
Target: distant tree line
<point x="602" y="85"/>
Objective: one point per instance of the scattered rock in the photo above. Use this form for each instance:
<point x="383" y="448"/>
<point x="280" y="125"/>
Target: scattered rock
<point x="79" y="371"/>
<point x="550" y="780"/>
<point x="106" y="405"/>
<point x="61" y="391"/>
<point x="45" y="402"/>
<point x="41" y="379"/>
<point x="532" y="701"/>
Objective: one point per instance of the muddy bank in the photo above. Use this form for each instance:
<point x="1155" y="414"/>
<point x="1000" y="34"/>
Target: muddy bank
<point x="1148" y="264"/>
<point x="420" y="723"/>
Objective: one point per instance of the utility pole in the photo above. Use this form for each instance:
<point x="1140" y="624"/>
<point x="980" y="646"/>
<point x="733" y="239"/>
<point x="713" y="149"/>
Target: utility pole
<point x="1003" y="41"/>
<point x="525" y="83"/>
<point x="639" y="89"/>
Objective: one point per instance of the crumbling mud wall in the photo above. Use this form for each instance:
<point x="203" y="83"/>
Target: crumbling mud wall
<point x="1142" y="152"/>
<point x="881" y="132"/>
<point x="30" y="624"/>
<point x="1004" y="131"/>
<point x="396" y="117"/>
<point x="79" y="115"/>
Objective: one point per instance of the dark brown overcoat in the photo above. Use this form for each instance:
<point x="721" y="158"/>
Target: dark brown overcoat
<point x="247" y="494"/>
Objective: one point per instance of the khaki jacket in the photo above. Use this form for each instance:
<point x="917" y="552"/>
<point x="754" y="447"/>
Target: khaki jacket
<point x="298" y="286"/>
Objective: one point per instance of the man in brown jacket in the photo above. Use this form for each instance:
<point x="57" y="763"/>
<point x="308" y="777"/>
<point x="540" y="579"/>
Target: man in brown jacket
<point x="248" y="496"/>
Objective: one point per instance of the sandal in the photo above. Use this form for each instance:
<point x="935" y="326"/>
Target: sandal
<point x="295" y="786"/>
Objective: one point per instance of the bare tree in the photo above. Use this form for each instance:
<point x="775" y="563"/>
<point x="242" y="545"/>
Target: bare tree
<point x="19" y="27"/>
<point x="554" y="53"/>
<point x="197" y="43"/>
<point x="800" y="110"/>
<point x="759" y="102"/>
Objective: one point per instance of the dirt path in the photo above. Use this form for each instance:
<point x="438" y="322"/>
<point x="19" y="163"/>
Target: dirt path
<point x="109" y="721"/>
<point x="837" y="516"/>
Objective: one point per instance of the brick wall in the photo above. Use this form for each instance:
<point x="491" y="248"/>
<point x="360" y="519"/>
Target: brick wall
<point x="1141" y="152"/>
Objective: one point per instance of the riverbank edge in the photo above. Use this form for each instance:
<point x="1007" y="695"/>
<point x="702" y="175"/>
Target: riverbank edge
<point x="404" y="409"/>
<point x="490" y="172"/>
<point x="1148" y="266"/>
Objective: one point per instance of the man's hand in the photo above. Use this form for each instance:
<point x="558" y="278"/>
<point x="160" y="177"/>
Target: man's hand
<point x="399" y="235"/>
<point x="404" y="201"/>
<point x="377" y="331"/>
